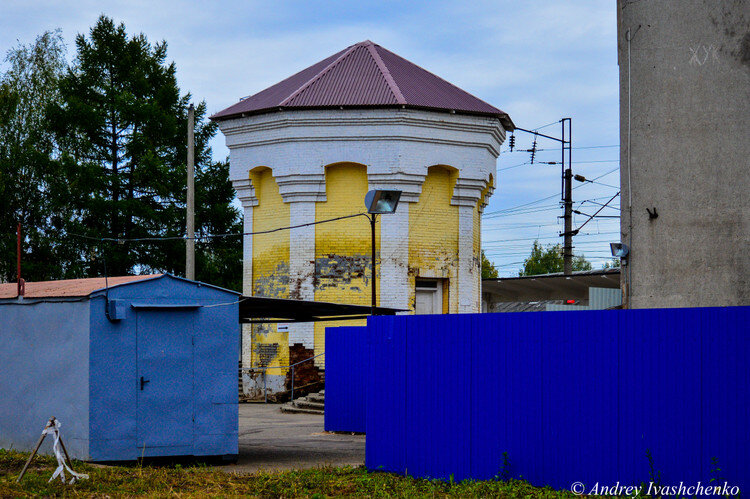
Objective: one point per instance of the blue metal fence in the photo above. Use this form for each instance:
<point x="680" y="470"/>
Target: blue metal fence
<point x="558" y="397"/>
<point x="346" y="378"/>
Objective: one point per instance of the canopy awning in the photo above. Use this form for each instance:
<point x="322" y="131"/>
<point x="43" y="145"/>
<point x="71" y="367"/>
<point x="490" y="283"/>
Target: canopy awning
<point x="550" y="286"/>
<point x="256" y="309"/>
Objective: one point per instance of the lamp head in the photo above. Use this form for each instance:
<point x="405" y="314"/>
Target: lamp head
<point x="619" y="250"/>
<point x="381" y="201"/>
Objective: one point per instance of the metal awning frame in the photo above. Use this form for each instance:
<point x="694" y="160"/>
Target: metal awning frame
<point x="262" y="310"/>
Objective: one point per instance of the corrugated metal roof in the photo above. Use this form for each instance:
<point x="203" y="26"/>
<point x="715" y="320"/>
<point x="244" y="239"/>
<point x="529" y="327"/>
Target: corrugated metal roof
<point x="364" y="75"/>
<point x="557" y="286"/>
<point x="67" y="288"/>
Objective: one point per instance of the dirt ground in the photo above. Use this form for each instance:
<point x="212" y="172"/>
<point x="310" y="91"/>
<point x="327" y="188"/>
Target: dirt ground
<point x="273" y="440"/>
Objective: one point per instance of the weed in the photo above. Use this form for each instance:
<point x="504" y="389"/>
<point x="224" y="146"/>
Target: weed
<point x="505" y="467"/>
<point x="654" y="475"/>
<point x="202" y="481"/>
<point x="716" y="471"/>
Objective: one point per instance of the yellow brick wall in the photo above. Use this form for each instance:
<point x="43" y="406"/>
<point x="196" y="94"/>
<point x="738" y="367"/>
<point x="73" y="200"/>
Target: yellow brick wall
<point x="342" y="248"/>
<point x="433" y="234"/>
<point x="270" y="267"/>
<point x="343" y="272"/>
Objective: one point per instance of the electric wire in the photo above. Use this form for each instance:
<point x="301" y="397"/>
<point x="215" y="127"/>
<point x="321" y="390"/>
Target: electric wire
<point x="213" y="236"/>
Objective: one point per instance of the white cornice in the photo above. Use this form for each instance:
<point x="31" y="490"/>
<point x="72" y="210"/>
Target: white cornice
<point x="401" y="125"/>
<point x="245" y="192"/>
<point x="392" y="138"/>
<point x="409" y="184"/>
<point x="467" y="192"/>
<point x="298" y="187"/>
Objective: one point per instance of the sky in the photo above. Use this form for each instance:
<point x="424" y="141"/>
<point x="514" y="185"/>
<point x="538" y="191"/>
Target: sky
<point x="538" y="60"/>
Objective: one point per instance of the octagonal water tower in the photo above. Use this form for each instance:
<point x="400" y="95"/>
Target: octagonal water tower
<point x="309" y="148"/>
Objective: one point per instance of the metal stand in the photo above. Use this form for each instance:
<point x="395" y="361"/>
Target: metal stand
<point x="49" y="424"/>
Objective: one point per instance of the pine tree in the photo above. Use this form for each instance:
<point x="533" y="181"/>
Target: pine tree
<point x="121" y="125"/>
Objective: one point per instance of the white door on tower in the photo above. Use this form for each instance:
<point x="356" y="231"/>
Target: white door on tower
<point x="429" y="297"/>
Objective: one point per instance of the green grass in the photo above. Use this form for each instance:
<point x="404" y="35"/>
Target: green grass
<point x="199" y="481"/>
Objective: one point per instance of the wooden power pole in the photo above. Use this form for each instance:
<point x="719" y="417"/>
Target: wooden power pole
<point x="190" y="241"/>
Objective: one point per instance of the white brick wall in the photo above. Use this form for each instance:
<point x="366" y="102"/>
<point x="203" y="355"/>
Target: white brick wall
<point x="247" y="270"/>
<point x="302" y="266"/>
<point x="395" y="288"/>
<point x="468" y="279"/>
<point x="388" y="141"/>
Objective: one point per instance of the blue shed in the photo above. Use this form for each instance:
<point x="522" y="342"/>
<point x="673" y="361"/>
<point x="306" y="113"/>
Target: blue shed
<point x="137" y="366"/>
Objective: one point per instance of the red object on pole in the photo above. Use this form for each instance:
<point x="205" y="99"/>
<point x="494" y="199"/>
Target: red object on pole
<point x="18" y="261"/>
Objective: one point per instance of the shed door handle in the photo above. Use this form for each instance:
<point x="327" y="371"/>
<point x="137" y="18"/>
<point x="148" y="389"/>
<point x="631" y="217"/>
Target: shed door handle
<point x="143" y="382"/>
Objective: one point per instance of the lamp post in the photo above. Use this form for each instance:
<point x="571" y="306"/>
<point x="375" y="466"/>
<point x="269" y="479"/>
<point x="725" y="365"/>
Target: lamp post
<point x="379" y="202"/>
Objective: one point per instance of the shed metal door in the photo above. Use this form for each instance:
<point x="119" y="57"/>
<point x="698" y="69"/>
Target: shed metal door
<point x="165" y="381"/>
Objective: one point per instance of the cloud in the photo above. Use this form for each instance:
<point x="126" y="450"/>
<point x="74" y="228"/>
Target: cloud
<point x="539" y="61"/>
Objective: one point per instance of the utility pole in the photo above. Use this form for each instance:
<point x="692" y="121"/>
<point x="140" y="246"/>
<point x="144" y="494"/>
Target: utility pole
<point x="21" y="284"/>
<point x="190" y="242"/>
<point x="567" y="199"/>
<point x="566" y="149"/>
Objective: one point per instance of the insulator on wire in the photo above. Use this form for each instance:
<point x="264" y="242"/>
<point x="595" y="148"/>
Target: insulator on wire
<point x="512" y="142"/>
<point x="533" y="150"/>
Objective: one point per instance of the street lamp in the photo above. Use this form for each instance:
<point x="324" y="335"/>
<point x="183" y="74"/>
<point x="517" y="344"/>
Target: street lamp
<point x="379" y="202"/>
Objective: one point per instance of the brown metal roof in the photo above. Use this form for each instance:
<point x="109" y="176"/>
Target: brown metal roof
<point x="364" y="75"/>
<point x="67" y="288"/>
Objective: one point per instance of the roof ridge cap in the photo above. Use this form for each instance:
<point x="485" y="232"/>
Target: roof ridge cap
<point x="392" y="85"/>
<point x="319" y="74"/>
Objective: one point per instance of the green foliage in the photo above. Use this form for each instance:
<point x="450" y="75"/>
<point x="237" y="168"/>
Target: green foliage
<point x="99" y="150"/>
<point x="202" y="481"/>
<point x="488" y="268"/>
<point x="716" y="472"/>
<point x="550" y="260"/>
<point x="505" y="468"/>
<point x="26" y="146"/>
<point x="654" y="475"/>
<point x="613" y="264"/>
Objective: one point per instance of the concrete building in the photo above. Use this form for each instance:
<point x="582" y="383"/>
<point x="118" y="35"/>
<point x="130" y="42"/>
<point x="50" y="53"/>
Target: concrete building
<point x="308" y="149"/>
<point x="685" y="151"/>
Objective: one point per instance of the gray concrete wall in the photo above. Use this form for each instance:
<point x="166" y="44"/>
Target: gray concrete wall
<point x="44" y="372"/>
<point x="688" y="100"/>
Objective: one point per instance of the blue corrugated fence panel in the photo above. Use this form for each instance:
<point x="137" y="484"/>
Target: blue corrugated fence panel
<point x="438" y="395"/>
<point x="579" y="398"/>
<point x="386" y="398"/>
<point x="660" y="395"/>
<point x="506" y="420"/>
<point x="725" y="392"/>
<point x="346" y="374"/>
<point x="597" y="397"/>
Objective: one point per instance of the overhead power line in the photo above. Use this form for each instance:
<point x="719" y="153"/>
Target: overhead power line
<point x="544" y="237"/>
<point x="574" y="148"/>
<point x="504" y="210"/>
<point x="212" y="236"/>
<point x="597" y="212"/>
